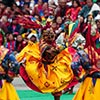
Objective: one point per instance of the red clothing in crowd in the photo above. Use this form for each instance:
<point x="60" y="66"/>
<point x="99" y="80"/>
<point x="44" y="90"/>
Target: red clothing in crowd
<point x="73" y="13"/>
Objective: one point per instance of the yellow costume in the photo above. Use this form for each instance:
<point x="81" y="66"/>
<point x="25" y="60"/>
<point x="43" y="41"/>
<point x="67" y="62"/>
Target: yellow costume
<point x="90" y="87"/>
<point x="7" y="90"/>
<point x="51" y="78"/>
<point x="87" y="91"/>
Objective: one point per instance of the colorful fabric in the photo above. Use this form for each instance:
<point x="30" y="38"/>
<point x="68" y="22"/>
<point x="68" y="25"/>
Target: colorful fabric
<point x="80" y="62"/>
<point x="3" y="36"/>
<point x="11" y="46"/>
<point x="8" y="92"/>
<point x="53" y="77"/>
<point x="88" y="91"/>
<point x="91" y="49"/>
<point x="73" y="12"/>
<point x="73" y="28"/>
<point x="3" y="52"/>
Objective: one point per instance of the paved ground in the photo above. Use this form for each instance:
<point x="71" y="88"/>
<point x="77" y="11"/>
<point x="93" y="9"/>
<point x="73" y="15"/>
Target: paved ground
<point x="19" y="84"/>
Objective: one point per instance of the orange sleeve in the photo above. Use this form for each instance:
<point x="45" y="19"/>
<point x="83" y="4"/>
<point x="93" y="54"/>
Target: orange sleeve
<point x="79" y="8"/>
<point x="68" y="11"/>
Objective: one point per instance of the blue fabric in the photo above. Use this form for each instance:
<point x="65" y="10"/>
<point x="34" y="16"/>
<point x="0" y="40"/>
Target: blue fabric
<point x="94" y="81"/>
<point x="36" y="1"/>
<point x="17" y="29"/>
<point x="0" y="83"/>
<point x="10" y="59"/>
<point x="84" y="12"/>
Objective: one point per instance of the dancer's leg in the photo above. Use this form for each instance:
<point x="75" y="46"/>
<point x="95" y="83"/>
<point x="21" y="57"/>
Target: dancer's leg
<point x="56" y="97"/>
<point x="71" y="90"/>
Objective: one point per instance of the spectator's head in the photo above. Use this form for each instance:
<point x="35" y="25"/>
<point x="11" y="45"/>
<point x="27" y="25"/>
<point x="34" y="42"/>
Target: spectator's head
<point x="27" y="0"/>
<point x="76" y="3"/>
<point x="2" y="5"/>
<point x="40" y="2"/>
<point x="19" y="38"/>
<point x="26" y="5"/>
<point x="54" y="25"/>
<point x="98" y="63"/>
<point x="17" y="10"/>
<point x="62" y="3"/>
<point x="37" y="17"/>
<point x="14" y="21"/>
<point x="10" y="37"/>
<point x="89" y="3"/>
<point x="97" y="19"/>
<point x="45" y="9"/>
<point x="4" y="19"/>
<point x="51" y="11"/>
<point x="59" y="20"/>
<point x="98" y="24"/>
<point x="7" y="11"/>
<point x="14" y="6"/>
<point x="32" y="37"/>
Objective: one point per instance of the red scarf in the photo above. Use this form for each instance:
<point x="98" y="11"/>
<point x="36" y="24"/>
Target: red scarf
<point x="11" y="46"/>
<point x="91" y="48"/>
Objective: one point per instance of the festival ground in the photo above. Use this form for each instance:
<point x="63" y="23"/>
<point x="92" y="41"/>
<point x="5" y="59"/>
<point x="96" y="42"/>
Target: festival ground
<point x="31" y="95"/>
<point x="26" y="94"/>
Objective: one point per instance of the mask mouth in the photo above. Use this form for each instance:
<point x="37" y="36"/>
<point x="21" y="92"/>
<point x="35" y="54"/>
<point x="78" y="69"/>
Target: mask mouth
<point x="49" y="54"/>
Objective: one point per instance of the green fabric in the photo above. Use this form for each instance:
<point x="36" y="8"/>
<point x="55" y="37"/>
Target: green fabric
<point x="94" y="0"/>
<point x="3" y="33"/>
<point x="74" y="26"/>
<point x="32" y="95"/>
<point x="98" y="45"/>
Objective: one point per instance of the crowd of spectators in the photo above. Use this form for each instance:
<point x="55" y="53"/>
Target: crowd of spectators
<point x="61" y="11"/>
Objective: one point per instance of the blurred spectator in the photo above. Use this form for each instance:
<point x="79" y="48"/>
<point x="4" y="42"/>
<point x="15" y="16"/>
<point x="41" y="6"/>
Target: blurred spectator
<point x="3" y="23"/>
<point x="36" y="1"/>
<point x="54" y="1"/>
<point x="19" y="43"/>
<point x="59" y="21"/>
<point x="62" y="8"/>
<point x="32" y="4"/>
<point x="72" y="13"/>
<point x="14" y="27"/>
<point x="7" y="12"/>
<point x="10" y="43"/>
<point x="26" y="9"/>
<point x="2" y="8"/>
<point x="89" y="8"/>
<point x="37" y="7"/>
<point x="32" y="37"/>
<point x="8" y="2"/>
<point x="97" y="20"/>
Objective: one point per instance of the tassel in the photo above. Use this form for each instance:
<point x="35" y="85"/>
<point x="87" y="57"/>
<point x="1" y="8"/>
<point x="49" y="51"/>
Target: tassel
<point x="94" y="81"/>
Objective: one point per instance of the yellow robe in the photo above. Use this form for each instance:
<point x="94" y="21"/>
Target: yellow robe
<point x="88" y="91"/>
<point x="8" y="92"/>
<point x="58" y="75"/>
